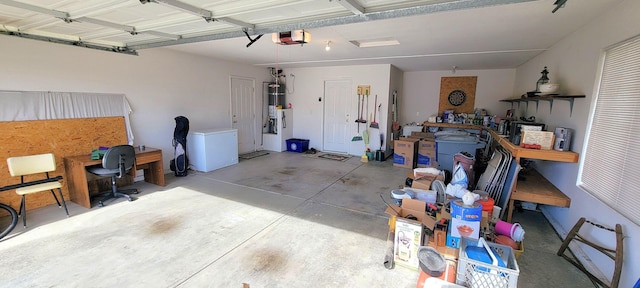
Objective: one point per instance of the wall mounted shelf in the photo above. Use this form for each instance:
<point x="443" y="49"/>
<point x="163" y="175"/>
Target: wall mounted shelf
<point x="550" y="99"/>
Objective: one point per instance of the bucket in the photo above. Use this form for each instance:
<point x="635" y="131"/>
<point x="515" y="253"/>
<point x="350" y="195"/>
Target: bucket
<point x="487" y="206"/>
<point x="369" y="156"/>
<point x="514" y="231"/>
<point x="517" y="233"/>
<point x="467" y="213"/>
<point x="379" y="155"/>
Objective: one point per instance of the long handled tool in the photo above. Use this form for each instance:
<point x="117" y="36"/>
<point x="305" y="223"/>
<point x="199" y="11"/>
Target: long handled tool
<point x="361" y="119"/>
<point x="357" y="137"/>
<point x="374" y="124"/>
<point x="396" y="125"/>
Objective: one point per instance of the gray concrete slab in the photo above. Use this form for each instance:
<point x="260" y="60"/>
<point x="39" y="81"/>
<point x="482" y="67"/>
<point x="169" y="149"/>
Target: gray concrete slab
<point x="280" y="220"/>
<point x="317" y="246"/>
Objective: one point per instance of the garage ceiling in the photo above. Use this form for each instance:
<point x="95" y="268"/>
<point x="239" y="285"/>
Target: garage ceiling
<point x="432" y="35"/>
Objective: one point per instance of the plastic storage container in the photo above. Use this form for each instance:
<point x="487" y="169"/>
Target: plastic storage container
<point x="449" y="145"/>
<point x="297" y="145"/>
<point x="476" y="274"/>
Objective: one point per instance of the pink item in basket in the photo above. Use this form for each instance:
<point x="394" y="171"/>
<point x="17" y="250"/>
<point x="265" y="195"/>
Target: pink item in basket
<point x="514" y="231"/>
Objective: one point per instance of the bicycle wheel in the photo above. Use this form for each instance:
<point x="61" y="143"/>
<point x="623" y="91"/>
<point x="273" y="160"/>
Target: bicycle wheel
<point x="14" y="220"/>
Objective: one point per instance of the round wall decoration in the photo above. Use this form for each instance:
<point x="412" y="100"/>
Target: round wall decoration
<point x="457" y="97"/>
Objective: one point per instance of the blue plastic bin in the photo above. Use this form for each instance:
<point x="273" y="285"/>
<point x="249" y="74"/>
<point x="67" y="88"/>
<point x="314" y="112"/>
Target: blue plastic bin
<point x="297" y="145"/>
<point x="450" y="145"/>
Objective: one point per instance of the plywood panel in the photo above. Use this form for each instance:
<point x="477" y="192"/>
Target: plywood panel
<point x="457" y="94"/>
<point x="62" y="137"/>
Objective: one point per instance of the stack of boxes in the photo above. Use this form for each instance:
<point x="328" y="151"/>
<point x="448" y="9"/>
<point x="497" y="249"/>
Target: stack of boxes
<point x="416" y="150"/>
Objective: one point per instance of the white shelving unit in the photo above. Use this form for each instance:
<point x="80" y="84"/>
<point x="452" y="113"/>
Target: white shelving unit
<point x="284" y="128"/>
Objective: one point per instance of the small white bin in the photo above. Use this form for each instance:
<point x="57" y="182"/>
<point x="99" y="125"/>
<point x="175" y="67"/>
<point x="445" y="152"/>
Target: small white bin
<point x="477" y="274"/>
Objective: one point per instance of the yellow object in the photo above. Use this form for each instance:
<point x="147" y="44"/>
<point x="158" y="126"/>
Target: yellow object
<point x="364" y="158"/>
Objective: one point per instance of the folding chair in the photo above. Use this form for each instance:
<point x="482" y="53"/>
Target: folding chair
<point x="615" y="255"/>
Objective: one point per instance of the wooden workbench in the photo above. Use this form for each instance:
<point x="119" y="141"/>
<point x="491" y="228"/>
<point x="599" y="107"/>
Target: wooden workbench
<point x="535" y="188"/>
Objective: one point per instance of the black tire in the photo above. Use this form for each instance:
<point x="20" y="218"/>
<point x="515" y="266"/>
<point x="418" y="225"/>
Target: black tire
<point x="14" y="220"/>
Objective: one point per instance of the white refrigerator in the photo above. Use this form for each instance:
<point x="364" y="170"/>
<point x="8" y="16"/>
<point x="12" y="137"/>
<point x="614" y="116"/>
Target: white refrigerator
<point x="211" y="149"/>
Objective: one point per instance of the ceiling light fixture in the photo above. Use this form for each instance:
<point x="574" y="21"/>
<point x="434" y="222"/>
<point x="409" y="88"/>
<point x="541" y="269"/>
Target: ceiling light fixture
<point x="328" y="46"/>
<point x="375" y="43"/>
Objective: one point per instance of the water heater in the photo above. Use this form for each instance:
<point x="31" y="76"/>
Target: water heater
<point x="276" y="93"/>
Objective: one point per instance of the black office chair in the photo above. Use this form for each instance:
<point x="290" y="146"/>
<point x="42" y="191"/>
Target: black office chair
<point x="117" y="161"/>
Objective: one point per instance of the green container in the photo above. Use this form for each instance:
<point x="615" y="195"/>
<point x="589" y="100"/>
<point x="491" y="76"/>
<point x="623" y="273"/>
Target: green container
<point x="369" y="155"/>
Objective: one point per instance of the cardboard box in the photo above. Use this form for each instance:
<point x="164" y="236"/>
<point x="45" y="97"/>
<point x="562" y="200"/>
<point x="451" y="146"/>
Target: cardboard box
<point x="543" y="138"/>
<point x="427" y="153"/>
<point x="423" y="180"/>
<point x="446" y="251"/>
<point x="453" y="236"/>
<point x="405" y="151"/>
<point x="409" y="234"/>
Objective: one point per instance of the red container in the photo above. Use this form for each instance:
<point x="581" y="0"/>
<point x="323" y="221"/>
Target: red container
<point x="487" y="205"/>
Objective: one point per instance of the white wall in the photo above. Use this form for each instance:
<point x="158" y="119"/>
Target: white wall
<point x="309" y="88"/>
<point x="160" y="84"/>
<point x="573" y="63"/>
<point x="422" y="92"/>
<point x="396" y="84"/>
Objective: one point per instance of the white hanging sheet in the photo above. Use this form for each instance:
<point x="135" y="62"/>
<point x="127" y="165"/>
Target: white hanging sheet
<point x="36" y="105"/>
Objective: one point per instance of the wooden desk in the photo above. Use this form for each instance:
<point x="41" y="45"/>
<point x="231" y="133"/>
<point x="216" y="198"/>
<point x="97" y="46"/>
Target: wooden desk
<point x="537" y="189"/>
<point x="149" y="159"/>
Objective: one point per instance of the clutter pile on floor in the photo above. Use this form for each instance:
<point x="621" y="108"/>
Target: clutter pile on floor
<point x="451" y="235"/>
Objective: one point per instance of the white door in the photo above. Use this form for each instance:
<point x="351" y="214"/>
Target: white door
<point x="336" y="120"/>
<point x="243" y="112"/>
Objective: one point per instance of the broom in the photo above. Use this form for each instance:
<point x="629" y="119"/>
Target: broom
<point x="358" y="137"/>
<point x="374" y="124"/>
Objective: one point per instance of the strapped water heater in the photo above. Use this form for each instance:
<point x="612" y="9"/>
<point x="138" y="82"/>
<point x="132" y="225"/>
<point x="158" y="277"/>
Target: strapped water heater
<point x="291" y="37"/>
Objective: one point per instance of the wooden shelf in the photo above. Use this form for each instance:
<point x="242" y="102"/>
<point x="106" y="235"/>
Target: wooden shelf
<point x="520" y="152"/>
<point x="517" y="151"/>
<point x="537" y="189"/>
<point x="549" y="99"/>
<point x="454" y="125"/>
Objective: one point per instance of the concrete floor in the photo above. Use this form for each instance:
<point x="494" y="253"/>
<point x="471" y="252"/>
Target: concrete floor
<point x="280" y="220"/>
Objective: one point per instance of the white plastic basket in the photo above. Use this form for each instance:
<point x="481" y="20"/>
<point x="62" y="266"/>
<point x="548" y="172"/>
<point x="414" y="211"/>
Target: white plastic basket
<point x="476" y="274"/>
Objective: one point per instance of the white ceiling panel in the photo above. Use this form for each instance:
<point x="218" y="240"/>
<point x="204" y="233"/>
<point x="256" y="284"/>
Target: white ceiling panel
<point x="433" y="34"/>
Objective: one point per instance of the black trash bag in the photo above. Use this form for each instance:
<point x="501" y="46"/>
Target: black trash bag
<point x="180" y="162"/>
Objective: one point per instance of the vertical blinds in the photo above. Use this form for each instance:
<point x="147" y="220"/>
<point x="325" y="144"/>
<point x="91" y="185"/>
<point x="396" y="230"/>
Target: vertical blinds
<point x="611" y="161"/>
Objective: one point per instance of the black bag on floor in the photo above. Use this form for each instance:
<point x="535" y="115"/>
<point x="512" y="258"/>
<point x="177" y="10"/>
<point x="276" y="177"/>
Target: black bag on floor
<point x="180" y="162"/>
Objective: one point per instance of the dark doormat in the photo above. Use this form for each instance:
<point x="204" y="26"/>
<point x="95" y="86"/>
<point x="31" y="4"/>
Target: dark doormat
<point x="252" y="155"/>
<point x="337" y="157"/>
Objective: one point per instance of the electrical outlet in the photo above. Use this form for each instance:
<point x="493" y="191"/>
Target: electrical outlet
<point x="359" y="90"/>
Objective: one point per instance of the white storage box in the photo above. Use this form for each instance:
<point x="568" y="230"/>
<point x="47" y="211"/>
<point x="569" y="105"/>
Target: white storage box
<point x="473" y="274"/>
<point x="211" y="149"/>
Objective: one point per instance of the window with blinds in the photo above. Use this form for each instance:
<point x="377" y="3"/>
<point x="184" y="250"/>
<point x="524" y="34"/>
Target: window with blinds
<point x="610" y="167"/>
